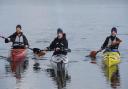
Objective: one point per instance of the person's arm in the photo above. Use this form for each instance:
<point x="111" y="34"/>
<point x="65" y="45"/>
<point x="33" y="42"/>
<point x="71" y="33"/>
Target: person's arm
<point x="117" y="42"/>
<point x="52" y="45"/>
<point x="66" y="44"/>
<point x="10" y="38"/>
<point x="65" y="41"/>
<point x="105" y="43"/>
<point x="25" y="41"/>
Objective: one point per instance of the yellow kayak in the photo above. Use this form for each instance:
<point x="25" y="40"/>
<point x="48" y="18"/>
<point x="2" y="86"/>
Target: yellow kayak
<point x="111" y="58"/>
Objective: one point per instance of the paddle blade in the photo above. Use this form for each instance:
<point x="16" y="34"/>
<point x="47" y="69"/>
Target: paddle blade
<point x="36" y="50"/>
<point x="93" y="54"/>
<point x="41" y="54"/>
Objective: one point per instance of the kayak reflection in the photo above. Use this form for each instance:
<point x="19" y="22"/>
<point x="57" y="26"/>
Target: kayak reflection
<point x="17" y="68"/>
<point x="112" y="75"/>
<point x="59" y="72"/>
<point x="61" y="78"/>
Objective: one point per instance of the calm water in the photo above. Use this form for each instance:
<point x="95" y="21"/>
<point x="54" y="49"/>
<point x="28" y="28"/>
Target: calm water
<point x="86" y="23"/>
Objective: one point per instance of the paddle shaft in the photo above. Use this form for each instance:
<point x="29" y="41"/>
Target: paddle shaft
<point x="33" y="48"/>
<point x="37" y="49"/>
<point x="3" y="37"/>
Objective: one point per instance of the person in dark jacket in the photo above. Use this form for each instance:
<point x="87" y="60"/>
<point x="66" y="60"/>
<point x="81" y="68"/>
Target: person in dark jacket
<point x="59" y="44"/>
<point x="112" y="42"/>
<point x="18" y="39"/>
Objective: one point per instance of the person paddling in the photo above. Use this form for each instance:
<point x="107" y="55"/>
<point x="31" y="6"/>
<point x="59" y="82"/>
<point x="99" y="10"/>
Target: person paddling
<point x="18" y="39"/>
<point x="59" y="44"/>
<point x="112" y="42"/>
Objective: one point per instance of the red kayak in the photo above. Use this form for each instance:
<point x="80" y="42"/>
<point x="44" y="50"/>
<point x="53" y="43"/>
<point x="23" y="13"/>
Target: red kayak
<point x="18" y="54"/>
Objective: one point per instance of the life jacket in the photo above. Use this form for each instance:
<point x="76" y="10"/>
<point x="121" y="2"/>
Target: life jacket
<point x="115" y="49"/>
<point x="110" y="41"/>
<point x="19" y="41"/>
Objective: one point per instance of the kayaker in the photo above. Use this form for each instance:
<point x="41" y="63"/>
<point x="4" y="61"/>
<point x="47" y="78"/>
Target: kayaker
<point x="18" y="39"/>
<point x="59" y="44"/>
<point x="112" y="42"/>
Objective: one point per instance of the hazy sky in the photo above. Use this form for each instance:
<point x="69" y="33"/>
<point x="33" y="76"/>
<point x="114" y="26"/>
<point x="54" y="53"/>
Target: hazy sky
<point x="65" y="2"/>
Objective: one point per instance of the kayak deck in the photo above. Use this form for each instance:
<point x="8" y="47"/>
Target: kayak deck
<point x="111" y="58"/>
<point x="59" y="59"/>
<point x="18" y="54"/>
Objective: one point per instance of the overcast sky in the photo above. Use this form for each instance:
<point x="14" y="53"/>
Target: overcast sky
<point x="65" y="2"/>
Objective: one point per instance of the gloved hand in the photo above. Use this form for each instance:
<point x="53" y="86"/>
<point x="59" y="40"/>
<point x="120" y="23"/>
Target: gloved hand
<point x="27" y="46"/>
<point x="6" y="40"/>
<point x="57" y="49"/>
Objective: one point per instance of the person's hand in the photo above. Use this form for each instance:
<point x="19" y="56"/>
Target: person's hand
<point x="57" y="49"/>
<point x="26" y="46"/>
<point x="6" y="40"/>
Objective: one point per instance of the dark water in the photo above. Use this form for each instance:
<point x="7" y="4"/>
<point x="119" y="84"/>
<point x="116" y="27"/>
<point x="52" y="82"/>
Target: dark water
<point x="86" y="26"/>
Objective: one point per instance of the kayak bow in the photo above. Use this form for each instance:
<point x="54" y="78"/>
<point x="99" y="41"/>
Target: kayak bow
<point x="111" y="58"/>
<point x="59" y="62"/>
<point x="18" y="54"/>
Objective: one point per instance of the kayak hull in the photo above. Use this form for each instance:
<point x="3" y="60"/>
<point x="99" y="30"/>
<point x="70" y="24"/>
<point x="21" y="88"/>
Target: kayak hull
<point x="111" y="58"/>
<point x="59" y="62"/>
<point x="18" y="54"/>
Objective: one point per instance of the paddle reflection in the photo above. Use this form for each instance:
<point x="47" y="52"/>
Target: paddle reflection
<point x="93" y="60"/>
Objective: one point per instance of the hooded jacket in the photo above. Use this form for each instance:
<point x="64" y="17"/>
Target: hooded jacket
<point x="108" y="41"/>
<point x="59" y="43"/>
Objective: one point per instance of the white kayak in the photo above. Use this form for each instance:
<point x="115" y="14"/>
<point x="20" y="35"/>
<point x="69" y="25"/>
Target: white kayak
<point x="59" y="62"/>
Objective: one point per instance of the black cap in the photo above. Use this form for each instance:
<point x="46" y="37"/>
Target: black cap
<point x="114" y="29"/>
<point x="59" y="30"/>
<point x="19" y="26"/>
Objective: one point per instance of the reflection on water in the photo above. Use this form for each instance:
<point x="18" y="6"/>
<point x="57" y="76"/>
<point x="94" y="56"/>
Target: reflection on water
<point x="61" y="78"/>
<point x="112" y="75"/>
<point x="17" y="68"/>
<point x="36" y="66"/>
<point x="93" y="60"/>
